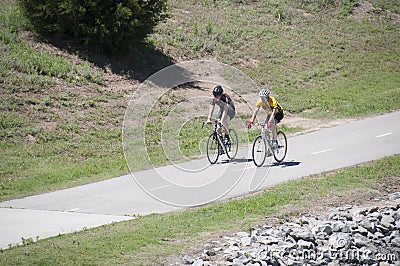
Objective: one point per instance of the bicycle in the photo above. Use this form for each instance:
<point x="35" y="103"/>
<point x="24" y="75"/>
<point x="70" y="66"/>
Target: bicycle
<point x="263" y="146"/>
<point x="216" y="145"/>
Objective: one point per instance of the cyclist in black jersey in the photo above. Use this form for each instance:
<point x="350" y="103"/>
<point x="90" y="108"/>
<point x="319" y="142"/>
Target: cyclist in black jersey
<point x="226" y="109"/>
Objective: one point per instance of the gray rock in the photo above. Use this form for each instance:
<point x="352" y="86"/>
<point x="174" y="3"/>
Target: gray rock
<point x="369" y="225"/>
<point x="268" y="240"/>
<point x="337" y="226"/>
<point x="334" y="263"/>
<point x="340" y="241"/>
<point x="360" y="240"/>
<point x="378" y="236"/>
<point x="346" y="229"/>
<point x="313" y="241"/>
<point x="359" y="211"/>
<point x="209" y="252"/>
<point x="240" y="261"/>
<point x="242" y="234"/>
<point x="302" y="233"/>
<point x="253" y="264"/>
<point x="377" y="215"/>
<point x="373" y="209"/>
<point x="246" y="241"/>
<point x="198" y="262"/>
<point x="334" y="215"/>
<point x="387" y="220"/>
<point x="384" y="228"/>
<point x="394" y="196"/>
<point x="325" y="229"/>
<point x="344" y="208"/>
<point x="361" y="230"/>
<point x="395" y="241"/>
<point x="187" y="260"/>
<point x="305" y="244"/>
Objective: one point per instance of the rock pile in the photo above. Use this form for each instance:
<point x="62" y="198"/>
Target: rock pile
<point x="348" y="236"/>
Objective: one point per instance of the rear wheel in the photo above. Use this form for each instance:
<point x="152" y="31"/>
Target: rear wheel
<point x="212" y="148"/>
<point x="232" y="147"/>
<point x="259" y="151"/>
<point x="280" y="151"/>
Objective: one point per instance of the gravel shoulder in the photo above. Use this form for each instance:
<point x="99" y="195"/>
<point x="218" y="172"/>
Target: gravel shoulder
<point x="357" y="216"/>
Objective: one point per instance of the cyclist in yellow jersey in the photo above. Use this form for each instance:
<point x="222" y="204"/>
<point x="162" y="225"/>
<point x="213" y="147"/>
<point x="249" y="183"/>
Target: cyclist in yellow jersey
<point x="266" y="101"/>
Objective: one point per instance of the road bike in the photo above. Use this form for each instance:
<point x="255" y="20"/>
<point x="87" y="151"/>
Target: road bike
<point x="264" y="147"/>
<point x="217" y="145"/>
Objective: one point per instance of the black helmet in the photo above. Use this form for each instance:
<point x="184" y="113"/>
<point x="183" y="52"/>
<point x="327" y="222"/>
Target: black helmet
<point x="218" y="91"/>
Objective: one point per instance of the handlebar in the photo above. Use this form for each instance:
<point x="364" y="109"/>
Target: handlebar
<point x="263" y="125"/>
<point x="217" y="121"/>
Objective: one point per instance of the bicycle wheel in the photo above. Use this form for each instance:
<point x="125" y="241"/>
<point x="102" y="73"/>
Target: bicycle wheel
<point x="232" y="147"/>
<point x="259" y="151"/>
<point x="212" y="148"/>
<point x="280" y="151"/>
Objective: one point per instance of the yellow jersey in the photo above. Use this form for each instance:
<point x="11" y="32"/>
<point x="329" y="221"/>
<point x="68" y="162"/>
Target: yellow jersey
<point x="272" y="103"/>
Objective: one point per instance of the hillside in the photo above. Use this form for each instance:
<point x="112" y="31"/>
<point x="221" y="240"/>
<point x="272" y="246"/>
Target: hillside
<point x="62" y="110"/>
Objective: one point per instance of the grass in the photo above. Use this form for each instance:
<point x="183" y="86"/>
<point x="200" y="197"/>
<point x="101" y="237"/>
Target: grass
<point x="61" y="118"/>
<point x="151" y="238"/>
<point x="297" y="59"/>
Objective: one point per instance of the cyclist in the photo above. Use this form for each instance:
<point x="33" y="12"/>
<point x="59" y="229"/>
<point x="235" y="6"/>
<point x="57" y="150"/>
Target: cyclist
<point x="267" y="101"/>
<point x="226" y="109"/>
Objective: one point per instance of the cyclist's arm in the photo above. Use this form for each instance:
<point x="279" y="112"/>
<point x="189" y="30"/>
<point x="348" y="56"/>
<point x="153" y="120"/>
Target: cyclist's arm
<point x="253" y="117"/>
<point x="271" y="118"/>
<point x="210" y="113"/>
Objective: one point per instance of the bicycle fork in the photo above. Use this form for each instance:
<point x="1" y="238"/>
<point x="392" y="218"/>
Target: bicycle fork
<point x="222" y="146"/>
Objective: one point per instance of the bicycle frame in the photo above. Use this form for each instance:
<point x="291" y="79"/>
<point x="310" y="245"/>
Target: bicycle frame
<point x="278" y="150"/>
<point x="265" y="135"/>
<point x="229" y="148"/>
<point x="218" y="132"/>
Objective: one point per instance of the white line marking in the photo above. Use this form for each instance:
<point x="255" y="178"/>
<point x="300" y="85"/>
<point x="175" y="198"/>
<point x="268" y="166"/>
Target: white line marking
<point x="318" y="152"/>
<point x="157" y="188"/>
<point x="73" y="210"/>
<point x="384" y="135"/>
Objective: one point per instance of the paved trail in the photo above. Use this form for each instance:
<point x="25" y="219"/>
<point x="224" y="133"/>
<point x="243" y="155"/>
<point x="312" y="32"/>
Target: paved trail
<point x="195" y="182"/>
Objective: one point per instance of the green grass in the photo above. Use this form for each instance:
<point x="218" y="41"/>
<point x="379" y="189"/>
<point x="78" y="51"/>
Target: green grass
<point x="151" y="238"/>
<point x="60" y="121"/>
<point x="308" y="56"/>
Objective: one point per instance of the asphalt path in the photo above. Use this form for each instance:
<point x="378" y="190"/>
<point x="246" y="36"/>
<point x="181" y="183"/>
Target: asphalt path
<point x="196" y="182"/>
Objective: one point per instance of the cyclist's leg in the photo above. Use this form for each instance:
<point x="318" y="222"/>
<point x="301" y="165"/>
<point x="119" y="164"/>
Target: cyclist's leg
<point x="219" y="118"/>
<point x="273" y="126"/>
<point x="225" y="123"/>
<point x="230" y="115"/>
<point x="278" y="117"/>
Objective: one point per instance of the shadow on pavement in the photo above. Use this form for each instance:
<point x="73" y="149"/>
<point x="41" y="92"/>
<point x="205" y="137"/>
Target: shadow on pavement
<point x="274" y="164"/>
<point x="286" y="164"/>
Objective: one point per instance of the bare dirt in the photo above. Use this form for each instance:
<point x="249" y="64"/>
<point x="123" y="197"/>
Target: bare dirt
<point x="126" y="86"/>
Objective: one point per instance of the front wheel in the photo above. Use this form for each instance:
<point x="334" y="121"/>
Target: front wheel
<point x="212" y="148"/>
<point x="281" y="150"/>
<point x="232" y="147"/>
<point x="259" y="151"/>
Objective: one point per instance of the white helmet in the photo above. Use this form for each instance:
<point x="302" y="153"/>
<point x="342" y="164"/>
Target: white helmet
<point x="264" y="93"/>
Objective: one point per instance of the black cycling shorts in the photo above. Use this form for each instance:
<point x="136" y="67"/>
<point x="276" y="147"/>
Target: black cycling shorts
<point x="278" y="117"/>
